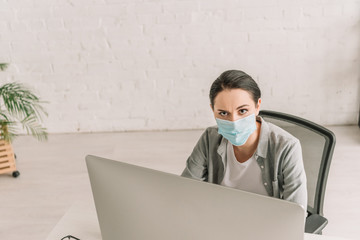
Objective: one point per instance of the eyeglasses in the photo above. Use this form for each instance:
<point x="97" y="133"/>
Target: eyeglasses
<point x="70" y="237"/>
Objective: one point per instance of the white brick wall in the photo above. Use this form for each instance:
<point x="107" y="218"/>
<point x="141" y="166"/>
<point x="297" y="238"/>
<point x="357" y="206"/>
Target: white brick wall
<point x="114" y="65"/>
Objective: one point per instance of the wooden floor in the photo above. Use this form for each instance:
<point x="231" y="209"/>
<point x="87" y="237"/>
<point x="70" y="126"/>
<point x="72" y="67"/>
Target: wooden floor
<point x="54" y="175"/>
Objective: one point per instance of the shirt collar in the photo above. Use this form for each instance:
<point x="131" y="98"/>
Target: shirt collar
<point x="262" y="147"/>
<point x="222" y="149"/>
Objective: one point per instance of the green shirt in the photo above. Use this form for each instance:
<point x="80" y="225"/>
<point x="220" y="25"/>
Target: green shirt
<point x="278" y="154"/>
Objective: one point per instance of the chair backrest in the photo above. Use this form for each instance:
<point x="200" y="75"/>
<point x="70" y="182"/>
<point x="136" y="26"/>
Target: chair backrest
<point x="317" y="144"/>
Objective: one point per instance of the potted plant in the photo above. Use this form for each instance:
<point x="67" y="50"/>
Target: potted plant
<point x="18" y="107"/>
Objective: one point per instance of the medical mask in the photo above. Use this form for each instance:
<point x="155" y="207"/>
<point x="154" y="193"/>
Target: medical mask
<point x="237" y="132"/>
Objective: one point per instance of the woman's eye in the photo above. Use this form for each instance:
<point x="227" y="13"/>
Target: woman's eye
<point x="223" y="114"/>
<point x="243" y="111"/>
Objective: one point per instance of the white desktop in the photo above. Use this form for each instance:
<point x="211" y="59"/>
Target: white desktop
<point x="133" y="202"/>
<point x="81" y="221"/>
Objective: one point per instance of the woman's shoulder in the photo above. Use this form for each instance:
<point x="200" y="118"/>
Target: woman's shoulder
<point x="212" y="130"/>
<point x="211" y="134"/>
<point x="278" y="143"/>
<point x="279" y="135"/>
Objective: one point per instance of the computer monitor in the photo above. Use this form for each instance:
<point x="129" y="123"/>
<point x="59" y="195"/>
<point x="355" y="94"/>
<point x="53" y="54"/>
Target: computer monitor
<point x="137" y="203"/>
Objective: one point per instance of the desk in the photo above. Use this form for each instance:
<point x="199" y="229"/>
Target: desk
<point x="81" y="221"/>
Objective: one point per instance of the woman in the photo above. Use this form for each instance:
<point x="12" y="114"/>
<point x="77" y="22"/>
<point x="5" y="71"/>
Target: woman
<point x="244" y="151"/>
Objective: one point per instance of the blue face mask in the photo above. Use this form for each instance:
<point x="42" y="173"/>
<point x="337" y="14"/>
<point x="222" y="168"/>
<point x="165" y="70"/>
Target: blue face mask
<point x="239" y="131"/>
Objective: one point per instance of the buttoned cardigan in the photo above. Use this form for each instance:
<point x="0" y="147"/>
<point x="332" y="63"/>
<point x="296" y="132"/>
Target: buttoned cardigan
<point x="278" y="155"/>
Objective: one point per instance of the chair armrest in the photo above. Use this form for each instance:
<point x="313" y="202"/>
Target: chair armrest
<point x="315" y="224"/>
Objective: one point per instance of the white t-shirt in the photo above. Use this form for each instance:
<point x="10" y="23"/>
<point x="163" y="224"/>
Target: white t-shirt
<point x="244" y="176"/>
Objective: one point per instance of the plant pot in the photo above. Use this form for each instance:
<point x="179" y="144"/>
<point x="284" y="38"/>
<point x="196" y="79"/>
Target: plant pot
<point x="7" y="159"/>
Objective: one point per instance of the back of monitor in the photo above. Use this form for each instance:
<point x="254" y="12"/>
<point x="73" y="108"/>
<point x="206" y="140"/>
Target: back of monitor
<point x="137" y="203"/>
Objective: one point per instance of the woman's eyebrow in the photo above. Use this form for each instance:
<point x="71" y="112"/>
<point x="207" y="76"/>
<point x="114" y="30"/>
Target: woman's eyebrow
<point x="245" y="105"/>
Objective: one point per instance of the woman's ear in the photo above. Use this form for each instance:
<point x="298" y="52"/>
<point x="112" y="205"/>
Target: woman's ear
<point x="257" y="106"/>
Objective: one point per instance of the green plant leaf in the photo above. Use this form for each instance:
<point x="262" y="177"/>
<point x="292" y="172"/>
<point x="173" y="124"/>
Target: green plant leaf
<point x="33" y="127"/>
<point x="20" y="101"/>
<point x="3" y="118"/>
<point x="3" y="66"/>
<point x="24" y="107"/>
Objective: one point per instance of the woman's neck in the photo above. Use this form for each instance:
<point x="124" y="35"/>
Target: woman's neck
<point x="245" y="152"/>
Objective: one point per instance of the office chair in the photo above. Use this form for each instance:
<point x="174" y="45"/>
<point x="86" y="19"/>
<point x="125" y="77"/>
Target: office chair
<point x="317" y="144"/>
